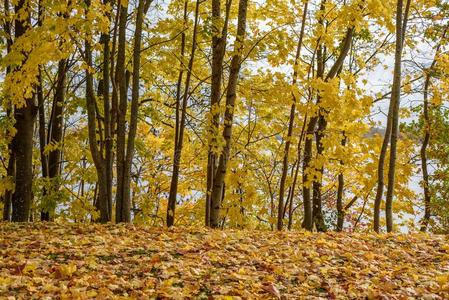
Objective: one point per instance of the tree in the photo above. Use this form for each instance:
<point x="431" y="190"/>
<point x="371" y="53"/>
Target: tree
<point x="392" y="130"/>
<point x="24" y="114"/>
<point x="220" y="33"/>
<point x="291" y="123"/>
<point x="218" y="183"/>
<point x="180" y="126"/>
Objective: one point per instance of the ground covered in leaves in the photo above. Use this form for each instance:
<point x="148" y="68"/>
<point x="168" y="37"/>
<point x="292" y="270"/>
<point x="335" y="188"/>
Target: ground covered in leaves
<point x="48" y="261"/>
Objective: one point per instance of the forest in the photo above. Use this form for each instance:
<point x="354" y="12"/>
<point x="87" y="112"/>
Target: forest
<point x="231" y="124"/>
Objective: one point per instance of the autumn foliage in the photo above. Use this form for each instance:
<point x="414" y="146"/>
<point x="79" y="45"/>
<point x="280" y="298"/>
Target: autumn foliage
<point x="127" y="262"/>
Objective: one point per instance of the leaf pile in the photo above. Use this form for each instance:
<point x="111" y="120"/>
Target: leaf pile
<point x="47" y="261"/>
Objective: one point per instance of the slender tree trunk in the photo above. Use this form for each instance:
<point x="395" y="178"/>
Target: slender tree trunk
<point x="426" y="140"/>
<point x="130" y="146"/>
<point x="281" y="208"/>
<point x="395" y="102"/>
<point x="23" y="139"/>
<point x="113" y="74"/>
<point x="308" y="144"/>
<point x="45" y="216"/>
<point x="55" y="135"/>
<point x="218" y="51"/>
<point x="380" y="171"/>
<point x="317" y="215"/>
<point x="217" y="190"/>
<point x="7" y="197"/>
<point x="178" y="147"/>
<point x="340" y="191"/>
<point x="317" y="212"/>
<point x="170" y="219"/>
<point x="423" y="154"/>
<point x="295" y="177"/>
<point x="92" y="130"/>
<point x="306" y="180"/>
<point x="120" y="208"/>
<point x="400" y="32"/>
<point x="108" y="125"/>
<point x="11" y="168"/>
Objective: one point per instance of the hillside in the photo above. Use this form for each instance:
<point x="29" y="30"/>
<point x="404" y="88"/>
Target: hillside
<point x="47" y="261"/>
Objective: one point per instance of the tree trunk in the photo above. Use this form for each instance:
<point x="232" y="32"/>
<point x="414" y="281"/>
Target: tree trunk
<point x="380" y="171"/>
<point x="291" y="122"/>
<point x="395" y="102"/>
<point x="11" y="168"/>
<point x="180" y="138"/>
<point x="218" y="184"/>
<point x="306" y="181"/>
<point x="340" y="191"/>
<point x="108" y="125"/>
<point x="423" y="154"/>
<point x="45" y="216"/>
<point x="218" y="51"/>
<point x="426" y="140"/>
<point x="295" y="177"/>
<point x="23" y="139"/>
<point x="121" y="212"/>
<point x="55" y="137"/>
<point x="91" y="120"/>
<point x="317" y="212"/>
<point x="130" y="147"/>
<point x="7" y="197"/>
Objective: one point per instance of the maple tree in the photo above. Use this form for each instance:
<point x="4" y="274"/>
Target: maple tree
<point x="229" y="114"/>
<point x="209" y="124"/>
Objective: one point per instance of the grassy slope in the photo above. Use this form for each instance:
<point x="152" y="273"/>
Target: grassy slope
<point x="93" y="261"/>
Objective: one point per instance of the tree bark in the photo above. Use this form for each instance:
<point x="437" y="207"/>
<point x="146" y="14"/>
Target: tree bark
<point x="125" y="150"/>
<point x="45" y="216"/>
<point x="178" y="147"/>
<point x="218" y="51"/>
<point x="401" y="21"/>
<point x="317" y="211"/>
<point x="55" y="137"/>
<point x="423" y="154"/>
<point x="108" y="124"/>
<point x="340" y="191"/>
<point x="121" y="211"/>
<point x="291" y="122"/>
<point x="23" y="139"/>
<point x="11" y="168"/>
<point x="218" y="184"/>
<point x="427" y="135"/>
<point x="92" y="130"/>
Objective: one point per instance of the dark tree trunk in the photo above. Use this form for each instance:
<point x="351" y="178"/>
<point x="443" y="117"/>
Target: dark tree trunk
<point x="218" y="184"/>
<point x="55" y="137"/>
<point x="121" y="207"/>
<point x="11" y="168"/>
<point x="340" y="191"/>
<point x="291" y="122"/>
<point x="401" y="23"/>
<point x="23" y="139"/>
<point x="423" y="154"/>
<point x="108" y="125"/>
<point x="218" y="51"/>
<point x="45" y="216"/>
<point x="427" y="135"/>
<point x="92" y="129"/>
<point x="180" y="137"/>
